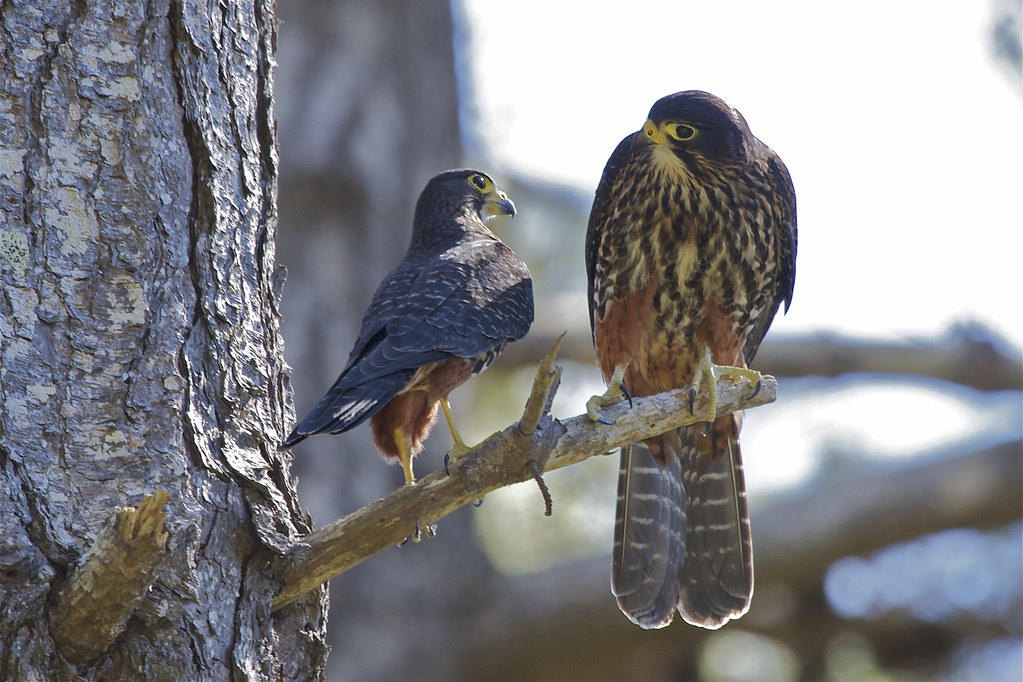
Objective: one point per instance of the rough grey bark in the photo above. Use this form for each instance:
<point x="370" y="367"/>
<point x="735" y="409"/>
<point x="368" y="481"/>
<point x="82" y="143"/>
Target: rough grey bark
<point x="139" y="334"/>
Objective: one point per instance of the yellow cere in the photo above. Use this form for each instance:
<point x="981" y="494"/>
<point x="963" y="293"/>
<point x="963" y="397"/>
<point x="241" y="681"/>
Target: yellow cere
<point x="653" y="133"/>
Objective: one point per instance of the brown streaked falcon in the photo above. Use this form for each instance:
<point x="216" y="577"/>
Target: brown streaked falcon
<point x="690" y="251"/>
<point x="443" y="314"/>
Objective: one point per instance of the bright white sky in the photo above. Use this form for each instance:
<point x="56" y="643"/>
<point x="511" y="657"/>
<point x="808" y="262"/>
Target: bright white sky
<point x="904" y="142"/>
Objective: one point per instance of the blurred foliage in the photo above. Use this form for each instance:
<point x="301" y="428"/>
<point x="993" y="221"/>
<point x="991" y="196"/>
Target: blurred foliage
<point x="1007" y="38"/>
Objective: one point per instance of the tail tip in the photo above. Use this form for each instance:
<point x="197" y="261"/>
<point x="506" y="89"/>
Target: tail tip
<point x="294" y="439"/>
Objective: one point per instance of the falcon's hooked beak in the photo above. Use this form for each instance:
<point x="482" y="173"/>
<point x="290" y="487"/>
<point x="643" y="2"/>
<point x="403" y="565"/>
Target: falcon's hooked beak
<point x="498" y="204"/>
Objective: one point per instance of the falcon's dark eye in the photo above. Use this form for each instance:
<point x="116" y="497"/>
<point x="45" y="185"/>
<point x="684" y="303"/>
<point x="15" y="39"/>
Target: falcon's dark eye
<point x="480" y="182"/>
<point x="680" y="131"/>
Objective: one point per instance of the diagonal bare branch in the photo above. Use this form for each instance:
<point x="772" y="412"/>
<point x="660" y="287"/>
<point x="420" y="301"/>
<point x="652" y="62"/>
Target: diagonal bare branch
<point x="505" y="458"/>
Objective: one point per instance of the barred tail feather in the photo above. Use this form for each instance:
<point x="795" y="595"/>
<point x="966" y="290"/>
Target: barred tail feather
<point x="649" y="537"/>
<point x="717" y="580"/>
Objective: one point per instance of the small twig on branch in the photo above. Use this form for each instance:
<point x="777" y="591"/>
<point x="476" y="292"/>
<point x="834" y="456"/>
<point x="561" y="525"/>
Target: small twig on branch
<point x="545" y="385"/>
<point x="503" y="459"/>
<point x="548" y="501"/>
<point x="110" y="581"/>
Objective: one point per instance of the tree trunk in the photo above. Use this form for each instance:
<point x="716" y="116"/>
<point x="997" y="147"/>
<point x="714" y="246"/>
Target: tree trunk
<point x="140" y="348"/>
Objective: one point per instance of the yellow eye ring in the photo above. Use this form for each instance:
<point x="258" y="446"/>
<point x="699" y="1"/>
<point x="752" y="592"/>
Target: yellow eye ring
<point x="682" y="132"/>
<point x="480" y="182"/>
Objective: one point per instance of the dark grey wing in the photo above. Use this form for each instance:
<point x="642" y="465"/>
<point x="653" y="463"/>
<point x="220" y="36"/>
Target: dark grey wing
<point x="599" y="215"/>
<point x="377" y="370"/>
<point x="493" y="307"/>
<point x="786" y="238"/>
<point x="394" y="336"/>
<point x="469" y="302"/>
<point x="342" y="409"/>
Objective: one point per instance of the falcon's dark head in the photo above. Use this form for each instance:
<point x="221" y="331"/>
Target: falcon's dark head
<point x="463" y="190"/>
<point x="696" y="127"/>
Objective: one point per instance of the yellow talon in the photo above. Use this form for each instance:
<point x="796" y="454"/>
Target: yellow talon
<point x="457" y="450"/>
<point x="615" y="393"/>
<point x="707" y="369"/>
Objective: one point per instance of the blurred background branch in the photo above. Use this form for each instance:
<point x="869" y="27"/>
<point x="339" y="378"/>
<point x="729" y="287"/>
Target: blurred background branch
<point x="967" y="356"/>
<point x="797" y="540"/>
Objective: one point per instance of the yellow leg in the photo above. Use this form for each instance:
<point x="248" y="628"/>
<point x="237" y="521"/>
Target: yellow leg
<point x="615" y="393"/>
<point x="404" y="445"/>
<point x="459" y="448"/>
<point x="708" y="370"/>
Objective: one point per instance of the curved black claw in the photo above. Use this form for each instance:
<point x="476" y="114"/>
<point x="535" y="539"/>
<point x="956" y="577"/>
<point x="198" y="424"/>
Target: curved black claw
<point x="477" y="503"/>
<point x="692" y="401"/>
<point x="756" y="390"/>
<point x="628" y="394"/>
<point x="430" y="530"/>
<point x="605" y="421"/>
<point x="447" y="458"/>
